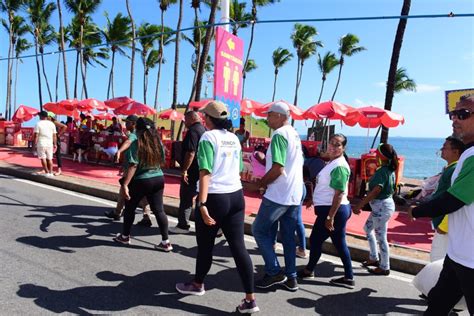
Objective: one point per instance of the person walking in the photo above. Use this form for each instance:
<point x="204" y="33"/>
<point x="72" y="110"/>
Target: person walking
<point x="189" y="171"/>
<point x="60" y="129"/>
<point x="45" y="142"/>
<point x="283" y="186"/>
<point x="457" y="276"/>
<point x="220" y="204"/>
<point x="381" y="189"/>
<point x="333" y="210"/>
<point x="144" y="178"/>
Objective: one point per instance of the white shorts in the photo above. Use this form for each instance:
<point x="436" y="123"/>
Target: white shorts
<point x="45" y="152"/>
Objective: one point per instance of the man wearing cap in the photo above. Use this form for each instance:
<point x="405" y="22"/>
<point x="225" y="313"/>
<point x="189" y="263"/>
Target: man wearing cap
<point x="189" y="171"/>
<point x="457" y="277"/>
<point x="45" y="140"/>
<point x="283" y="186"/>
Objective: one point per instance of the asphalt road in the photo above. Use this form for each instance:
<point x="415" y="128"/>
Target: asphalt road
<point x="58" y="256"/>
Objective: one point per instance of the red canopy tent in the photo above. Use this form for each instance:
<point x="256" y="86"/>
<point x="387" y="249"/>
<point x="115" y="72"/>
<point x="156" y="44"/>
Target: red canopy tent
<point x="199" y="104"/>
<point x="248" y="106"/>
<point x="58" y="109"/>
<point x="91" y="104"/>
<point x="118" y="102"/>
<point x="371" y="117"/>
<point x="295" y="112"/>
<point x="328" y="110"/>
<point x="136" y="108"/>
<point x="171" y="114"/>
<point x="104" y="116"/>
<point x="24" y="113"/>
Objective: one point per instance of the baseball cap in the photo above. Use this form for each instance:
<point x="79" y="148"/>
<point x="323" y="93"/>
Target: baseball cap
<point x="215" y="109"/>
<point x="51" y="115"/>
<point x="131" y="118"/>
<point x="279" y="107"/>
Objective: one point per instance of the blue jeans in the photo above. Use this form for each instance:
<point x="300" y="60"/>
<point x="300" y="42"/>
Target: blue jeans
<point x="268" y="216"/>
<point x="320" y="233"/>
<point x="376" y="229"/>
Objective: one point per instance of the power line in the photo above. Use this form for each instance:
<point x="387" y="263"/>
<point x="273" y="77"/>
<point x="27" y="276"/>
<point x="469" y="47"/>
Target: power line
<point x="367" y="18"/>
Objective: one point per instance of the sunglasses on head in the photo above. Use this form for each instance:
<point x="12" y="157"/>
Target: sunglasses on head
<point x="462" y="114"/>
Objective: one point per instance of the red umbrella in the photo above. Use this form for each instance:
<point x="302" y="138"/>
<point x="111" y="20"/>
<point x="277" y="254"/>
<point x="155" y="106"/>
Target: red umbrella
<point x="104" y="116"/>
<point x="118" y="102"/>
<point x="248" y="106"/>
<point x="136" y="108"/>
<point x="171" y="114"/>
<point x="295" y="112"/>
<point x="328" y="110"/>
<point x="58" y="109"/>
<point x="24" y="113"/>
<point x="91" y="104"/>
<point x="371" y="116"/>
<point x="69" y="104"/>
<point x="199" y="104"/>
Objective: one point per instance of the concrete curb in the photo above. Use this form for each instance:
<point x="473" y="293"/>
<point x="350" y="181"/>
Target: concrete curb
<point x="399" y="263"/>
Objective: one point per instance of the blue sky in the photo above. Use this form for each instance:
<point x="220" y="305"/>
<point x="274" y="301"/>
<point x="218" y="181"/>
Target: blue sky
<point x="437" y="53"/>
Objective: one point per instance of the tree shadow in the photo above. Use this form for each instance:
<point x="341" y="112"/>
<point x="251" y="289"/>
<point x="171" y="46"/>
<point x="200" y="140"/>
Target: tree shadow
<point x="152" y="288"/>
<point x="358" y="303"/>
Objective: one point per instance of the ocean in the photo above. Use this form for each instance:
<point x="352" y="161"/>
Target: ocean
<point x="421" y="155"/>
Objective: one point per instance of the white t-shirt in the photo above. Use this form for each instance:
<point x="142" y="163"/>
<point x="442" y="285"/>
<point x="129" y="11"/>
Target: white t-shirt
<point x="220" y="153"/>
<point x="285" y="149"/>
<point x="335" y="175"/>
<point x="45" y="130"/>
<point x="461" y="222"/>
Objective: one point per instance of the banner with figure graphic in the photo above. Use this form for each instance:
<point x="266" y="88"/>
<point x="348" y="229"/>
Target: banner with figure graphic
<point x="228" y="72"/>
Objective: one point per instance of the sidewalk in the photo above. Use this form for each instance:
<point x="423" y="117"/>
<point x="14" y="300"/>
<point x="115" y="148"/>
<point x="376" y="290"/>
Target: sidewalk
<point x="410" y="242"/>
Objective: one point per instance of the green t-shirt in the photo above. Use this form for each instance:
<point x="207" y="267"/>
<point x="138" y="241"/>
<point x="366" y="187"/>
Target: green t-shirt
<point x="339" y="178"/>
<point x="279" y="148"/>
<point x="142" y="172"/>
<point x="131" y="137"/>
<point x="463" y="186"/>
<point x="444" y="183"/>
<point x="385" y="178"/>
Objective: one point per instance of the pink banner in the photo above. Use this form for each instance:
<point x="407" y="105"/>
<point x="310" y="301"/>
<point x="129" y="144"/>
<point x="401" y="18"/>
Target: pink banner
<point x="228" y="72"/>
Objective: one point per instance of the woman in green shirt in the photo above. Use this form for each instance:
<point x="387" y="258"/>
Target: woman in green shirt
<point x="381" y="189"/>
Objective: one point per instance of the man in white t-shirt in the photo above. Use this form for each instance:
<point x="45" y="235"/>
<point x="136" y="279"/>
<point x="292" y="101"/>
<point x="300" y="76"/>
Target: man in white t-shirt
<point x="44" y="140"/>
<point x="283" y="186"/>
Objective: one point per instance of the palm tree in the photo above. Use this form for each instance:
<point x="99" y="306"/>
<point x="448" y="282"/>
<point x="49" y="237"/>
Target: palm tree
<point x="238" y="15"/>
<point x="255" y="5"/>
<point x="279" y="58"/>
<point x="251" y="65"/>
<point x="61" y="41"/>
<point x="47" y="35"/>
<point x="403" y="82"/>
<point x="116" y="35"/>
<point x="82" y="9"/>
<point x="176" y="64"/>
<point x="164" y="5"/>
<point x="132" y="62"/>
<point x="92" y="57"/>
<point x="305" y="45"/>
<point x="10" y="7"/>
<point x="348" y="46"/>
<point x="392" y="72"/>
<point x="326" y="65"/>
<point x="22" y="45"/>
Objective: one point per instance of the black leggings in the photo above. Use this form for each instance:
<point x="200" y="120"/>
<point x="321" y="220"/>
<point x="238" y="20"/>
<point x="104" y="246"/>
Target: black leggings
<point x="58" y="156"/>
<point x="228" y="210"/>
<point x="152" y="188"/>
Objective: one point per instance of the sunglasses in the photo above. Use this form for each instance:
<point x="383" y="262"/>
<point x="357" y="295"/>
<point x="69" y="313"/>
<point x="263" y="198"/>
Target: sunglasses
<point x="462" y="114"/>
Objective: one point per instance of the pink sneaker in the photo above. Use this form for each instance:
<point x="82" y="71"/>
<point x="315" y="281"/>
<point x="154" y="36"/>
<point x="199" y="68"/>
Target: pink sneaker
<point x="122" y="239"/>
<point x="164" y="247"/>
<point x="248" y="307"/>
<point x="190" y="288"/>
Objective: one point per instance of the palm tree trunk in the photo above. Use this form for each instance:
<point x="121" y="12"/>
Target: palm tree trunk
<point x="16" y="81"/>
<point x="82" y="61"/>
<point x="338" y="79"/>
<point x="205" y="49"/>
<point x="45" y="77"/>
<point x="38" y="72"/>
<point x="57" y="79"/>
<point x="85" y="76"/>
<point x="397" y="46"/>
<point x="275" y="84"/>
<point x="111" y="77"/>
<point x="76" y="74"/>
<point x="132" y="66"/>
<point x="145" y="84"/>
<point x="297" y="79"/>
<point x="319" y="100"/>
<point x="10" y="54"/>
<point x="61" y="31"/>
<point x="252" y="30"/>
<point x="161" y="60"/>
<point x="176" y="65"/>
<point x="244" y="76"/>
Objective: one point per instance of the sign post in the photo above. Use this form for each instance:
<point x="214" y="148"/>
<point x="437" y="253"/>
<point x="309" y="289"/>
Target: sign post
<point x="228" y="72"/>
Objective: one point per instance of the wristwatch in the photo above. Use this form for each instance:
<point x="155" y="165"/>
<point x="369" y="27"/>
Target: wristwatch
<point x="329" y="218"/>
<point x="199" y="204"/>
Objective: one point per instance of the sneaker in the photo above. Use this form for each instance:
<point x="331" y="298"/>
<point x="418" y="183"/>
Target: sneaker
<point x="219" y="233"/>
<point x="190" y="288"/>
<point x="112" y="215"/>
<point x="145" y="222"/>
<point x="49" y="175"/>
<point x="343" y="282"/>
<point x="122" y="239"/>
<point x="269" y="280"/>
<point x="179" y="230"/>
<point x="301" y="253"/>
<point x="291" y="284"/>
<point x="248" y="307"/>
<point x="304" y="275"/>
<point x="164" y="247"/>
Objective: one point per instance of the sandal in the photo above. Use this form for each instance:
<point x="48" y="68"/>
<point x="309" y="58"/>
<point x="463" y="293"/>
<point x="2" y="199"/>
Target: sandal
<point x="369" y="263"/>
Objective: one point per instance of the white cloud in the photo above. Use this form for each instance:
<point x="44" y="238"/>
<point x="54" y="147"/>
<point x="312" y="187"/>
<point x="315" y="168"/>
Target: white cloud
<point x="360" y="103"/>
<point x="424" y="88"/>
<point x="380" y="84"/>
<point x="453" y="82"/>
<point x="468" y="56"/>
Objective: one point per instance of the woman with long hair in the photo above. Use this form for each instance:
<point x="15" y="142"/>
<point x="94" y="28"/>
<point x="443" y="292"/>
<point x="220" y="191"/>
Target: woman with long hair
<point x="333" y="210"/>
<point x="144" y="178"/>
<point x="381" y="188"/>
<point x="220" y="204"/>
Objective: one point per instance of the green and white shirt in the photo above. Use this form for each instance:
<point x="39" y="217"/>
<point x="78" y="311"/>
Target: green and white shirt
<point x="143" y="172"/>
<point x="220" y="153"/>
<point x="461" y="222"/>
<point x="334" y="176"/>
<point x="285" y="150"/>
